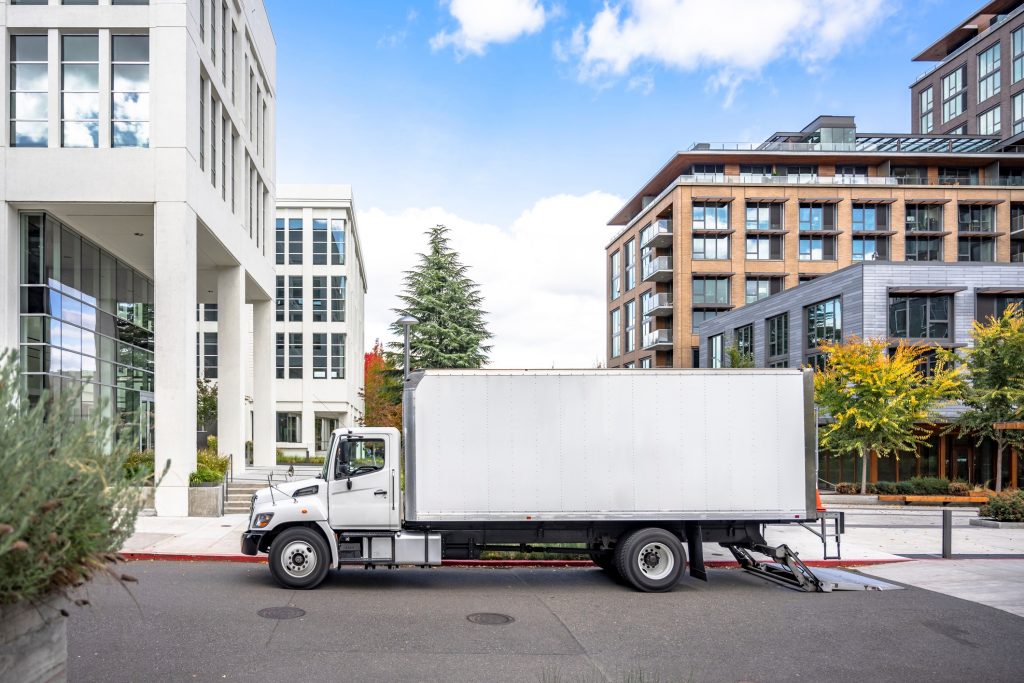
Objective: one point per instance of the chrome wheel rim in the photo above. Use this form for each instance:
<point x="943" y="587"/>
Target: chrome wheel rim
<point x="656" y="560"/>
<point x="298" y="559"/>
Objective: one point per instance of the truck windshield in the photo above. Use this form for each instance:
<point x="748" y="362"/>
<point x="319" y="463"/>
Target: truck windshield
<point x="360" y="456"/>
<point x="327" y="457"/>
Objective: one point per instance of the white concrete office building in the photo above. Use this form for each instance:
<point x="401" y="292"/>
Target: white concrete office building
<point x="138" y="181"/>
<point x="319" y="316"/>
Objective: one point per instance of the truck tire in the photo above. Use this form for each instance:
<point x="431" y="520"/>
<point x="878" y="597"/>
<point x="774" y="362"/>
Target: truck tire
<point x="299" y="558"/>
<point x="650" y="560"/>
<point x="605" y="559"/>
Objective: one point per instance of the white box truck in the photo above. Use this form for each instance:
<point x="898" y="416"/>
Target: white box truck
<point x="633" y="464"/>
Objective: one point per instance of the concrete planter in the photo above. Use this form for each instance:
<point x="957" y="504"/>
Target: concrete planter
<point x="33" y="642"/>
<point x="206" y="501"/>
<point x="993" y="524"/>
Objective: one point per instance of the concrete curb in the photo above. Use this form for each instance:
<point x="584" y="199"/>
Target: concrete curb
<point x="262" y="559"/>
<point x="994" y="524"/>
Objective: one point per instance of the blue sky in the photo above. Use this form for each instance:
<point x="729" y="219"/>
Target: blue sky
<point x="438" y="111"/>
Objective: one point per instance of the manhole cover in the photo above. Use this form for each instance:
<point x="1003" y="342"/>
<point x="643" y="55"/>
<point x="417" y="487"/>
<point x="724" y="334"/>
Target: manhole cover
<point x="490" y="619"/>
<point x="281" y="612"/>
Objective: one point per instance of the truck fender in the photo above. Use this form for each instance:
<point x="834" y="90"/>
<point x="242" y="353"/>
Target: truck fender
<point x="332" y="540"/>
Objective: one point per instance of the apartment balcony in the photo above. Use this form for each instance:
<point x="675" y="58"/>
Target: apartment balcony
<point x="658" y="340"/>
<point x="657" y="234"/>
<point x="658" y="269"/>
<point x="659" y="305"/>
<point x="815" y="179"/>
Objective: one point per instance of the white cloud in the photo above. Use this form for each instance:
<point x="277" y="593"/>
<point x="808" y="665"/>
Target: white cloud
<point x="735" y="38"/>
<point x="492" y="21"/>
<point x="542" y="277"/>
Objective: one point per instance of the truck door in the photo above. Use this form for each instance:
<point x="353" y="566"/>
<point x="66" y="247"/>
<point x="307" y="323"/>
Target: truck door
<point x="362" y="486"/>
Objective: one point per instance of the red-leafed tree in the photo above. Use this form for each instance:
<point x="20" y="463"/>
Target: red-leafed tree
<point x="382" y="391"/>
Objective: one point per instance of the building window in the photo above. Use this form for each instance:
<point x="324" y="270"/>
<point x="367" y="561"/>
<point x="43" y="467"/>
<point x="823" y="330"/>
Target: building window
<point x="711" y="173"/>
<point x="870" y="217"/>
<point x="976" y="218"/>
<point x="715" y="351"/>
<point x="630" y="312"/>
<point x="817" y="217"/>
<point x="319" y="241"/>
<point x="224" y="140"/>
<point x="279" y="299"/>
<point x="754" y="172"/>
<point x="338" y="285"/>
<point x="80" y="85"/>
<point x="954" y="94"/>
<point x="821" y="248"/>
<point x="764" y="216"/>
<point x="744" y="339"/>
<point x="646" y="363"/>
<point x="976" y="249"/>
<point x="988" y="73"/>
<point x="924" y="217"/>
<point x="630" y="252"/>
<point x="909" y="175"/>
<point x="288" y="427"/>
<point x="319" y="298"/>
<point x="213" y="139"/>
<point x="210" y="355"/>
<point x="710" y="216"/>
<point x="231" y="151"/>
<point x="958" y="176"/>
<point x="210" y="313"/>
<point x="29" y="91"/>
<point x="337" y="355"/>
<point x="927" y="118"/>
<point x="616" y="322"/>
<point x="758" y="288"/>
<point x="294" y="355"/>
<point x="129" y="96"/>
<point x="279" y="241"/>
<point x="337" y="241"/>
<point x="294" y="241"/>
<point x="1017" y="40"/>
<point x="920" y="248"/>
<point x="699" y="316"/>
<point x="616" y="266"/>
<point x="990" y="122"/>
<point x="710" y="247"/>
<point x="777" y="341"/>
<point x="319" y="355"/>
<point x="295" y="298"/>
<point x="710" y="290"/>
<point x="279" y="355"/>
<point x="1016" y="233"/>
<point x="870" y="248"/>
<point x="1018" y="113"/>
<point x="823" y="322"/>
<point x="765" y="248"/>
<point x="920" y="316"/>
<point x="799" y="173"/>
<point x="224" y="44"/>
<point x="994" y="305"/>
<point x="202" y="123"/>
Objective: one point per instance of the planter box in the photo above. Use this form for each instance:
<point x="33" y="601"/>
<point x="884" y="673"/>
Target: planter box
<point x="33" y="642"/>
<point x="993" y="524"/>
<point x="934" y="500"/>
<point x="206" y="501"/>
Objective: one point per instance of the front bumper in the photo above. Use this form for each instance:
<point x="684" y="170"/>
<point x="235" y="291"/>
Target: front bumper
<point x="251" y="542"/>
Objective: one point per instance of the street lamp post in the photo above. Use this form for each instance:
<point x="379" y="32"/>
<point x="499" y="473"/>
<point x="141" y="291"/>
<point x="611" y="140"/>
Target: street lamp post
<point x="407" y="321"/>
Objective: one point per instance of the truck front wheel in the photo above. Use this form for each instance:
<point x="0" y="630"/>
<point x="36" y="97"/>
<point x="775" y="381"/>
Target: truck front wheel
<point x="651" y="560"/>
<point x="299" y="558"/>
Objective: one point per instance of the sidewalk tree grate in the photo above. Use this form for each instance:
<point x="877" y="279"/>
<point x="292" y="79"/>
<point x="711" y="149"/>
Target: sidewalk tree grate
<point x="281" y="612"/>
<point x="490" y="619"/>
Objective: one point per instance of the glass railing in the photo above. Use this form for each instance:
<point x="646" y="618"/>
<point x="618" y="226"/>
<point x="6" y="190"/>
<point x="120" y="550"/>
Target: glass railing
<point x="658" y="301"/>
<point x="661" y="226"/>
<point x="657" y="264"/>
<point x="657" y="337"/>
<point x="814" y="179"/>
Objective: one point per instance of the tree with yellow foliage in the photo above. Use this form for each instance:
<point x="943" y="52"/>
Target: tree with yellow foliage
<point x="879" y="400"/>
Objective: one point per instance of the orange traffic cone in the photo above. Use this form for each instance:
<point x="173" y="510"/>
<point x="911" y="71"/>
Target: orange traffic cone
<point x="817" y="500"/>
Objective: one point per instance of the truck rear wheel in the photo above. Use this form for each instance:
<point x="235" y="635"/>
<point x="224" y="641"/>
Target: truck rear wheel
<point x="299" y="558"/>
<point x="605" y="559"/>
<point x="650" y="560"/>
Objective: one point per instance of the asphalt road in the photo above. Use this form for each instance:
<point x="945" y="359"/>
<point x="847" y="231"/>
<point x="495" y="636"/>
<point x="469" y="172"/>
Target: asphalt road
<point x="199" y="621"/>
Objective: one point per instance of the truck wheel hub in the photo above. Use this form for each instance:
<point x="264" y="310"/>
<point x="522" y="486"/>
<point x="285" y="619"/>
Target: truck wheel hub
<point x="655" y="560"/>
<point x="298" y="559"/>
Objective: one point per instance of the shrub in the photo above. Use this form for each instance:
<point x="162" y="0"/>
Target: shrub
<point x="959" y="488"/>
<point x="930" y="486"/>
<point x="847" y="488"/>
<point x="1007" y="506"/>
<point x="69" y="502"/>
<point x="140" y="465"/>
<point x="210" y="467"/>
<point x="906" y="488"/>
<point x="211" y="443"/>
<point x="886" y="487"/>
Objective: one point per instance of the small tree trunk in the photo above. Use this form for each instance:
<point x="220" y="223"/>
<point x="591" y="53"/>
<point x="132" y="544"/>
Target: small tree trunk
<point x="863" y="470"/>
<point x="999" y="465"/>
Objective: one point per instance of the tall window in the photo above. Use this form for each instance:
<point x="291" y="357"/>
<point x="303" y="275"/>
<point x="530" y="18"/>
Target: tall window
<point x="823" y="321"/>
<point x="294" y="355"/>
<point x="988" y="73"/>
<point x="224" y="158"/>
<point x="129" y="95"/>
<point x="210" y="355"/>
<point x="319" y="241"/>
<point x="630" y="311"/>
<point x="1018" y="113"/>
<point x="710" y="247"/>
<point x="279" y="241"/>
<point x="616" y="323"/>
<point x="777" y="341"/>
<point x="338" y="283"/>
<point x="616" y="281"/>
<point x="817" y="248"/>
<point x="279" y="355"/>
<point x="234" y="168"/>
<point x="764" y="216"/>
<point x="279" y="299"/>
<point x="202" y="123"/>
<point x="1017" y="40"/>
<point x="295" y="241"/>
<point x="927" y="116"/>
<point x="295" y="298"/>
<point x="715" y="351"/>
<point x="758" y="288"/>
<point x="744" y="337"/>
<point x="630" y="252"/>
<point x="289" y="427"/>
<point x="319" y="298"/>
<point x="920" y="317"/>
<point x="870" y="217"/>
<point x="710" y="291"/>
<point x="865" y="248"/>
<point x="213" y="33"/>
<point x="815" y="220"/>
<point x="337" y="241"/>
<point x="224" y="44"/>
<point x="954" y="94"/>
<point x="710" y="216"/>
<point x="817" y="217"/>
<point x="319" y="355"/>
<point x="29" y="87"/>
<point x="202" y="20"/>
<point x="80" y="85"/>
<point x="976" y="218"/>
<point x="337" y="355"/>
<point x="213" y="138"/>
<point x="990" y="122"/>
<point x="764" y="247"/>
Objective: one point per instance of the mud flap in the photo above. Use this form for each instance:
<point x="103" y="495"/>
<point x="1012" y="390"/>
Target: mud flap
<point x="695" y="550"/>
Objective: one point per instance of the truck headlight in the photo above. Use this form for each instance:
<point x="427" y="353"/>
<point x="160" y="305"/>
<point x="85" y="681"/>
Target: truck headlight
<point x="262" y="520"/>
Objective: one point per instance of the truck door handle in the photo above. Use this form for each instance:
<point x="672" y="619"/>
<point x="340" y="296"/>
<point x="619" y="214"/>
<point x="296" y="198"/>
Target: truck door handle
<point x="380" y="492"/>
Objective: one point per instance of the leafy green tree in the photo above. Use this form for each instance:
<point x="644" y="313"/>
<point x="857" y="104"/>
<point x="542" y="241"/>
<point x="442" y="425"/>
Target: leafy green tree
<point x="451" y="331"/>
<point x="879" y="401"/>
<point x="206" y="403"/>
<point x="995" y="390"/>
<point x="739" y="359"/>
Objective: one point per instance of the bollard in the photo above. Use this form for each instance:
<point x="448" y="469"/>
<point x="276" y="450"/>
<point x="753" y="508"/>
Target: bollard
<point x="947" y="534"/>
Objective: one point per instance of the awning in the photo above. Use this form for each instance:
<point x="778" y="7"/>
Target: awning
<point x="925" y="290"/>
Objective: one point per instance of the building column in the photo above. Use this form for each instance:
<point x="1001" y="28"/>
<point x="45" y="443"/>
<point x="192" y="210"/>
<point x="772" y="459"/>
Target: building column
<point x="264" y="437"/>
<point x="10" y="270"/>
<point x="232" y="356"/>
<point x="174" y="302"/>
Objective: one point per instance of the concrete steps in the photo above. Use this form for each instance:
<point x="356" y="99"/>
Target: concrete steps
<point x="242" y="487"/>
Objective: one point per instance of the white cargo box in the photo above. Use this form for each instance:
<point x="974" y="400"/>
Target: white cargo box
<point x="505" y="445"/>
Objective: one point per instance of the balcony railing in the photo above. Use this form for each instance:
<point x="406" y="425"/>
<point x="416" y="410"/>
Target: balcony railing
<point x="815" y="179"/>
<point x="657" y="234"/>
<point x="658" y="339"/>
<point x="658" y="269"/>
<point x="658" y="305"/>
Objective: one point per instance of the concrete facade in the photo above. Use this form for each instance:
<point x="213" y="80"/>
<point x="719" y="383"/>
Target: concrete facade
<point x="181" y="194"/>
